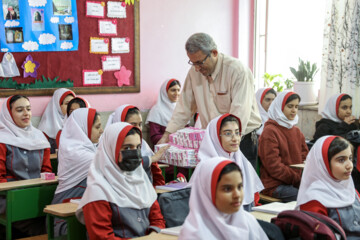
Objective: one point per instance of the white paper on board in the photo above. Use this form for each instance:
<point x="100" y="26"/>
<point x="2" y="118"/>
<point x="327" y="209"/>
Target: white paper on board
<point x="120" y="45"/>
<point x="116" y="9"/>
<point x="94" y="9"/>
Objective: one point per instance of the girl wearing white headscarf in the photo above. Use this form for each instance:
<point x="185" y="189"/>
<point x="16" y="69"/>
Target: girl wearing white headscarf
<point x="337" y="117"/>
<point x="160" y="114"/>
<point x="264" y="97"/>
<point x="24" y="152"/>
<point x="212" y="146"/>
<point x="326" y="184"/>
<point x="53" y="117"/>
<point x="213" y="218"/>
<point x="281" y="144"/>
<point x="131" y="114"/>
<point x="78" y="141"/>
<point x="120" y="201"/>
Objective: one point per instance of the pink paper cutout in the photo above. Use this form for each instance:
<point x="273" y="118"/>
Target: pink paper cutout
<point x="106" y="40"/>
<point x="103" y="58"/>
<point x="123" y="76"/>
<point x="123" y="4"/>
<point x="114" y="21"/>
<point x="127" y="39"/>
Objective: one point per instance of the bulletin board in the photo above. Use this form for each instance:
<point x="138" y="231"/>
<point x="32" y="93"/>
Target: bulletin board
<point x="104" y="53"/>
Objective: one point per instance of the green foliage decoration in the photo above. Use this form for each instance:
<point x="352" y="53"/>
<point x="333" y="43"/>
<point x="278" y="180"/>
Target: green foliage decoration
<point x="38" y="84"/>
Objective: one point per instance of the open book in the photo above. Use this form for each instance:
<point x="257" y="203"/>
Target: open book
<point x="172" y="231"/>
<point x="173" y="186"/>
<point x="275" y="207"/>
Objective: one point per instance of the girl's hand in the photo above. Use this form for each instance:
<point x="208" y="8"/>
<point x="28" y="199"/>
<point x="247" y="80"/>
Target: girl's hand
<point x="349" y="120"/>
<point x="157" y="156"/>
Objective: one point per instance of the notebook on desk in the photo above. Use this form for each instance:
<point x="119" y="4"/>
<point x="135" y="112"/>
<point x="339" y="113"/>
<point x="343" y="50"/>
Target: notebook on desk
<point x="173" y="186"/>
<point x="275" y="207"/>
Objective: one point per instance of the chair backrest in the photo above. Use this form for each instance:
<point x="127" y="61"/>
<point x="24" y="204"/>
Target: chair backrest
<point x="174" y="206"/>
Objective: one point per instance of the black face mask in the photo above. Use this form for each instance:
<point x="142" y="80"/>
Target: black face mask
<point x="131" y="159"/>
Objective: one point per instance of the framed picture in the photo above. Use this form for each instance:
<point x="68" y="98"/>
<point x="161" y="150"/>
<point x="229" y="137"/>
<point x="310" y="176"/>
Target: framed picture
<point x="11" y="9"/>
<point x="65" y="32"/>
<point x="62" y="7"/>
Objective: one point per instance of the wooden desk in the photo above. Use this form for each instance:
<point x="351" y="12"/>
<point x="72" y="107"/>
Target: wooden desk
<point x="66" y="211"/>
<point x="298" y="166"/>
<point x="263" y="216"/>
<point x="157" y="236"/>
<point x="158" y="191"/>
<point x="25" y="199"/>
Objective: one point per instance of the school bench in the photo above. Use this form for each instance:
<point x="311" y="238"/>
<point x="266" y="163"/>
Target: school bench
<point x="66" y="211"/>
<point x="39" y="237"/>
<point x="25" y="199"/>
<point x="163" y="167"/>
<point x="298" y="166"/>
<point x="268" y="199"/>
<point x="157" y="236"/>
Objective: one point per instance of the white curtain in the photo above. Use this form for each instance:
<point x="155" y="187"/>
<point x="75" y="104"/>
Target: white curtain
<point x="341" y="61"/>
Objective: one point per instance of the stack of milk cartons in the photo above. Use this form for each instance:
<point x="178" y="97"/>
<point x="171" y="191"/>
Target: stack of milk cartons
<point x="184" y="147"/>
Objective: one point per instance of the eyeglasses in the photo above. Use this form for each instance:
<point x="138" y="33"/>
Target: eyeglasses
<point x="198" y="63"/>
<point x="231" y="135"/>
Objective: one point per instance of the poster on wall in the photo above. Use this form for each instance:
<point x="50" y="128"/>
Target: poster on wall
<point x="38" y="26"/>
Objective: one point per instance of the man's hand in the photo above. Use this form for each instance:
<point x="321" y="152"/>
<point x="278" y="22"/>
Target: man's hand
<point x="157" y="156"/>
<point x="164" y="138"/>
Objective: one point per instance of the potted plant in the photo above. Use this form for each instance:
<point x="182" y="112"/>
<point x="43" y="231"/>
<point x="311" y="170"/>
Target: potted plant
<point x="305" y="85"/>
<point x="273" y="81"/>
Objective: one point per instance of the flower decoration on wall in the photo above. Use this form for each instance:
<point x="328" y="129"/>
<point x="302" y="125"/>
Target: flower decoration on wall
<point x="30" y="66"/>
<point x="129" y="2"/>
<point x="123" y="76"/>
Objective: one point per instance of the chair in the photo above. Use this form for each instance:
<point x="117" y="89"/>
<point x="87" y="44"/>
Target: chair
<point x="174" y="206"/>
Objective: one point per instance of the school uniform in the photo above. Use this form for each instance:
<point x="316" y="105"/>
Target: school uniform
<point x="205" y="221"/>
<point x="152" y="169"/>
<point x="160" y="114"/>
<point x="321" y="192"/>
<point x="211" y="147"/>
<point x="24" y="152"/>
<point x="118" y="204"/>
<point x="52" y="119"/>
<point x="331" y="124"/>
<point x="259" y="96"/>
<point x="75" y="154"/>
<point x="281" y="144"/>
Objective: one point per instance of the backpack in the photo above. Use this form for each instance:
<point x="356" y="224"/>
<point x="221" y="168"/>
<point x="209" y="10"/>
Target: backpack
<point x="174" y="206"/>
<point x="297" y="225"/>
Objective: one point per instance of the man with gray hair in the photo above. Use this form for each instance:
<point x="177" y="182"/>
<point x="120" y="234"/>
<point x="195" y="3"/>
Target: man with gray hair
<point x="217" y="84"/>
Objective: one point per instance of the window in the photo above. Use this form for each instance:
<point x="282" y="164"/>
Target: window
<point x="287" y="30"/>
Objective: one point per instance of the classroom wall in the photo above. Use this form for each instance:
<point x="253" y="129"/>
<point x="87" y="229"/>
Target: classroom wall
<point x="164" y="27"/>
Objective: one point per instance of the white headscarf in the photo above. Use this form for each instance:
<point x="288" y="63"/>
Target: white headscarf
<point x="107" y="182"/>
<point x="276" y="110"/>
<point x="52" y="119"/>
<point x="332" y="107"/>
<point x="211" y="147"/>
<point x="28" y="138"/>
<point x="162" y="111"/>
<point x="318" y="183"/>
<point x="259" y="95"/>
<point x="76" y="151"/>
<point x="119" y="116"/>
<point x="205" y="221"/>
